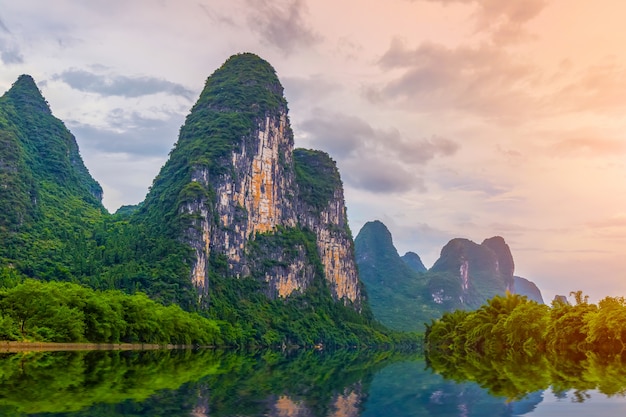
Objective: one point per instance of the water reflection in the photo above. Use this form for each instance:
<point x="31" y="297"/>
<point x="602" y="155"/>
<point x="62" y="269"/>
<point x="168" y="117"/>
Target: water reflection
<point x="302" y="384"/>
<point x="185" y="383"/>
<point x="517" y="375"/>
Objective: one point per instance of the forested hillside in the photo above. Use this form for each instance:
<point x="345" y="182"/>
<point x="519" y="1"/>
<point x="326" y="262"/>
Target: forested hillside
<point x="237" y="227"/>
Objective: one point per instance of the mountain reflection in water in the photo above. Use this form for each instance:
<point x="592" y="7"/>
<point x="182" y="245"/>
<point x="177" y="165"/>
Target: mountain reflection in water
<point x="304" y="384"/>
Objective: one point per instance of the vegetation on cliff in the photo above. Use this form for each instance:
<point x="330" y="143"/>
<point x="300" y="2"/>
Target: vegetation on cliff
<point x="398" y="295"/>
<point x="317" y="177"/>
<point x="53" y="227"/>
<point x="405" y="295"/>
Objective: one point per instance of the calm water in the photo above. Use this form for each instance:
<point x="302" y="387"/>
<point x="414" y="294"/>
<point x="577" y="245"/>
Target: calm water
<point x="340" y="384"/>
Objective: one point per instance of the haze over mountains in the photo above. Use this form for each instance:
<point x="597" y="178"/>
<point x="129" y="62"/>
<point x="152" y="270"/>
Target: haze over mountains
<point x="404" y="294"/>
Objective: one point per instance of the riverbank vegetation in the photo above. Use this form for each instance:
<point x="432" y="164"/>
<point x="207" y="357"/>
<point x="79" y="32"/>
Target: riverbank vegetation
<point x="32" y="310"/>
<point x="512" y="323"/>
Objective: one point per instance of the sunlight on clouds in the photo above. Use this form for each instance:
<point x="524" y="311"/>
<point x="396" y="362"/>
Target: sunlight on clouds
<point x="447" y="118"/>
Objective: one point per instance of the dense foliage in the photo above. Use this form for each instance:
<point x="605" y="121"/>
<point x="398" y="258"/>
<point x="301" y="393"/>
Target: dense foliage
<point x="512" y="323"/>
<point x="48" y="201"/>
<point x="54" y="229"/>
<point x="399" y="296"/>
<point x="308" y="319"/>
<point x="317" y="177"/>
<point x="66" y="312"/>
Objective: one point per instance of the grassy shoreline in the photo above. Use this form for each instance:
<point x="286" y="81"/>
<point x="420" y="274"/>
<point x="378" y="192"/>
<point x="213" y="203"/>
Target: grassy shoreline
<point x="11" y="347"/>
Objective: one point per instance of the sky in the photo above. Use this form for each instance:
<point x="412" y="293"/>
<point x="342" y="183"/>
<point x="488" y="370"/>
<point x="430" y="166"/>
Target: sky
<point x="447" y="118"/>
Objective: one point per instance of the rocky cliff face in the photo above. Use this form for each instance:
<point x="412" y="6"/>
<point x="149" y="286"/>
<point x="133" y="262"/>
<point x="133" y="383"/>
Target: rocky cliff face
<point x="243" y="197"/>
<point x="505" y="265"/>
<point x="477" y="272"/>
<point x="322" y="210"/>
<point x="473" y="273"/>
<point x="344" y="404"/>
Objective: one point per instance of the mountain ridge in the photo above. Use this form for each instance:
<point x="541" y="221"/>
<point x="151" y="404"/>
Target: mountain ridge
<point x="464" y="276"/>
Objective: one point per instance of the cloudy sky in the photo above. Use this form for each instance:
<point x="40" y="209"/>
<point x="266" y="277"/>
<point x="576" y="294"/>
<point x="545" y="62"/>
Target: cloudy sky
<point x="447" y="118"/>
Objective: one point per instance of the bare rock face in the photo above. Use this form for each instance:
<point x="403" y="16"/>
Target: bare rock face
<point x="505" y="266"/>
<point x="244" y="196"/>
<point x="481" y="272"/>
<point x="322" y="210"/>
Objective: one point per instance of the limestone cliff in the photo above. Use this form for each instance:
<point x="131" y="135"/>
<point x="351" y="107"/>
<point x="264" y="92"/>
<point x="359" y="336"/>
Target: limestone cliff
<point x="243" y="195"/>
<point x="322" y="210"/>
<point x="470" y="273"/>
<point x="505" y="265"/>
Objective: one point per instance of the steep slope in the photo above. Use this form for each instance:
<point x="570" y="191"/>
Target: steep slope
<point x="468" y="274"/>
<point x="232" y="191"/>
<point x="397" y="294"/>
<point x="527" y="288"/>
<point x="237" y="225"/>
<point x="464" y="277"/>
<point x="48" y="201"/>
<point x="505" y="265"/>
<point x="413" y="261"/>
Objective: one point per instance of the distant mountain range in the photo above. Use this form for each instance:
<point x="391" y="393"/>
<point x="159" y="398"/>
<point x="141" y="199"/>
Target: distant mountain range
<point x="404" y="294"/>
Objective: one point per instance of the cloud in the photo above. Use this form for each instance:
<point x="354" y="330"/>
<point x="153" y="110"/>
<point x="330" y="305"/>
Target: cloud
<point x="120" y="85"/>
<point x="4" y="27"/>
<point x="9" y="51"/>
<point x="380" y="175"/>
<point x="483" y="80"/>
<point x="309" y="89"/>
<point x="451" y="180"/>
<point x="344" y="135"/>
<point x="504" y="20"/>
<point x="377" y="160"/>
<point x="491" y="10"/>
<point x="282" y="24"/>
<point x="516" y="12"/>
<point x="615" y="221"/>
<point x="598" y="88"/>
<point x="216" y="15"/>
<point x="338" y="134"/>
<point x="586" y="147"/>
<point x="130" y="134"/>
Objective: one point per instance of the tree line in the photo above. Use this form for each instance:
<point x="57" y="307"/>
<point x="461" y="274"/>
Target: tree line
<point x="512" y="323"/>
<point x="67" y="312"/>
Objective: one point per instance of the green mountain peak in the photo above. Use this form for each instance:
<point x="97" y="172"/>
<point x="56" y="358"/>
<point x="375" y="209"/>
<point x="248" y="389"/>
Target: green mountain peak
<point x="25" y="95"/>
<point x="244" y="83"/>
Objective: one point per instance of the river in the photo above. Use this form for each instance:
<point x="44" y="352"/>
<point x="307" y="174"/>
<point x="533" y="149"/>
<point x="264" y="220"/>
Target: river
<point x="297" y="384"/>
